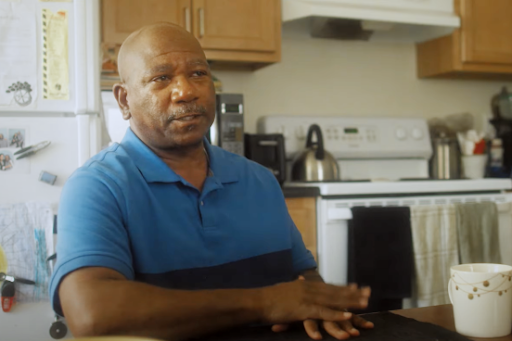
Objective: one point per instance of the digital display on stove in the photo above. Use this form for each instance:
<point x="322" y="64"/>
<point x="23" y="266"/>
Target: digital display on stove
<point x="351" y="131"/>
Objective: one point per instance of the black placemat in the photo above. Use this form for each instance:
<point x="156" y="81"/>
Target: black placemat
<point x="388" y="327"/>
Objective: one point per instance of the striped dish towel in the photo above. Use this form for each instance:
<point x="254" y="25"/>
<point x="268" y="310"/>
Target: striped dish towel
<point x="434" y="233"/>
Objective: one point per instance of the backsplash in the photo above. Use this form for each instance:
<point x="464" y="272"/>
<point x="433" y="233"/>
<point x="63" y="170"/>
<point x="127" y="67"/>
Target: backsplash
<point x="353" y="78"/>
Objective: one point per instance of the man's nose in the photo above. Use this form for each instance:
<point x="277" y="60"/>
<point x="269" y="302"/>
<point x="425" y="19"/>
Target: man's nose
<point x="183" y="90"/>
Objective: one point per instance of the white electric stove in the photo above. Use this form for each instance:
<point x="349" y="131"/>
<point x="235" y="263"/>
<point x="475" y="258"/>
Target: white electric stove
<point x="383" y="162"/>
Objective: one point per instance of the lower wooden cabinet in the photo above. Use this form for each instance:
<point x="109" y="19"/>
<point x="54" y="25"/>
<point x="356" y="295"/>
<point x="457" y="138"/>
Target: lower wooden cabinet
<point x="303" y="213"/>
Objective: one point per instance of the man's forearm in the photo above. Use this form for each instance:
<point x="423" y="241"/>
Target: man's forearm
<point x="312" y="275"/>
<point x="102" y="308"/>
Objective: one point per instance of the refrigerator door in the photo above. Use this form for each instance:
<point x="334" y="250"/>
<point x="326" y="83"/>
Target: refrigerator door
<point x="83" y="44"/>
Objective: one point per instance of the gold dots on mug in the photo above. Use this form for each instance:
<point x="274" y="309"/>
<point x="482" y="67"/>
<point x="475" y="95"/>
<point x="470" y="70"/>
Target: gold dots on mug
<point x="456" y="287"/>
<point x="478" y="295"/>
<point x="501" y="293"/>
<point x="475" y="289"/>
<point x="486" y="284"/>
<point x="470" y="296"/>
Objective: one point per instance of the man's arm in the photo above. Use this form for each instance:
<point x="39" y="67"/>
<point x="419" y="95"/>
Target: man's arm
<point x="100" y="301"/>
<point x="312" y="275"/>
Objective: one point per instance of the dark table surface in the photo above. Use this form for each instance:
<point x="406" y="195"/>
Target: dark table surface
<point x="439" y="315"/>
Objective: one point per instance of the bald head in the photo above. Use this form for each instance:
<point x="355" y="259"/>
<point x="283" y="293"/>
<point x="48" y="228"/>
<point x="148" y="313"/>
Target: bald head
<point x="151" y="41"/>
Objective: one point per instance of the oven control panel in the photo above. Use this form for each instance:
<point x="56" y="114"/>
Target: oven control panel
<point x="353" y="137"/>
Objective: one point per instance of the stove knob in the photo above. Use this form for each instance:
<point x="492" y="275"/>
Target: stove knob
<point x="300" y="133"/>
<point x="417" y="134"/>
<point x="282" y="130"/>
<point x="400" y="133"/>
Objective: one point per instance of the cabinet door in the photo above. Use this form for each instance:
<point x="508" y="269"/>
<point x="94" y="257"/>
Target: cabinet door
<point x="244" y="25"/>
<point x="122" y="17"/>
<point x="486" y="31"/>
<point x="303" y="213"/>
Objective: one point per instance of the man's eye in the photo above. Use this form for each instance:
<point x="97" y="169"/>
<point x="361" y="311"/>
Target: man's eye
<point x="161" y="78"/>
<point x="200" y="73"/>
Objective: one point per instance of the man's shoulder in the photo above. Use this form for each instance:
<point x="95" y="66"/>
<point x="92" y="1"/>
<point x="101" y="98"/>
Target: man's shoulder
<point x="241" y="163"/>
<point x="246" y="170"/>
<point x="112" y="162"/>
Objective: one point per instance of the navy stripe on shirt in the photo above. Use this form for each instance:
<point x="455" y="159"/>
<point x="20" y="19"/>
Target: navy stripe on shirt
<point x="254" y="272"/>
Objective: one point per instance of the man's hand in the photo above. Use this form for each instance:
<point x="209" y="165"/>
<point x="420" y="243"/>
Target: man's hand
<point x="339" y="330"/>
<point x="311" y="300"/>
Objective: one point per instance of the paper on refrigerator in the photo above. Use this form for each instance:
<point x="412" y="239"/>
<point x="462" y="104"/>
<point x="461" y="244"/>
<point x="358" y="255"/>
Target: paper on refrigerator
<point x="18" y="55"/>
<point x="55" y="55"/>
<point x="26" y="240"/>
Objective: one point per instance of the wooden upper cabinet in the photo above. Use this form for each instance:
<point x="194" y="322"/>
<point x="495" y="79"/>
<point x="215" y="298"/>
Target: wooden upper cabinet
<point x="243" y="25"/>
<point x="481" y="48"/>
<point x="122" y="17"/>
<point x="233" y="33"/>
<point x="487" y="31"/>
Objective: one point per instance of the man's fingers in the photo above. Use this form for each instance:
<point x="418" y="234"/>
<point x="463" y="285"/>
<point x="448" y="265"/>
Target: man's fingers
<point x="311" y="327"/>
<point x="339" y="298"/>
<point x="349" y="328"/>
<point x="278" y="328"/>
<point x="360" y="322"/>
<point x="327" y="314"/>
<point x="335" y="330"/>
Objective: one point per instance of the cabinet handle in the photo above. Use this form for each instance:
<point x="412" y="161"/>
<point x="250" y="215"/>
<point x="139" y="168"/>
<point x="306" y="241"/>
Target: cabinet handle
<point x="187" y="19"/>
<point x="201" y="22"/>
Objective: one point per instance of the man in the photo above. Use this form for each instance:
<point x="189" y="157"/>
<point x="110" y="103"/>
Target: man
<point x="4" y="143"/>
<point x="166" y="236"/>
<point x="7" y="163"/>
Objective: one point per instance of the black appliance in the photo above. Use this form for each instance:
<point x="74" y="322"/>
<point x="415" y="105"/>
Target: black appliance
<point x="267" y="150"/>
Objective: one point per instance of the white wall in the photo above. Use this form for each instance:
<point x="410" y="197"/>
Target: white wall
<point x="330" y="77"/>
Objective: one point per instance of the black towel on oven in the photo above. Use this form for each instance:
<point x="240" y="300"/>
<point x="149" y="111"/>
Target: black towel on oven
<point x="381" y="254"/>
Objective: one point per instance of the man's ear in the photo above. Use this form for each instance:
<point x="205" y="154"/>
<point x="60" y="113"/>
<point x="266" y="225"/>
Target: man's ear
<point x="121" y="95"/>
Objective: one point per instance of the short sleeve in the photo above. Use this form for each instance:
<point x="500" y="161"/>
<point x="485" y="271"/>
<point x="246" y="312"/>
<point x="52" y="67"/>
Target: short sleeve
<point x="91" y="232"/>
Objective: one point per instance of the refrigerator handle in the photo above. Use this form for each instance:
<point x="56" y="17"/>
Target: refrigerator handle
<point x="84" y="138"/>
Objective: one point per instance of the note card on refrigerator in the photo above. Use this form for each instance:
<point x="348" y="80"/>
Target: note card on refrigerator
<point x="55" y="55"/>
<point x="18" y="51"/>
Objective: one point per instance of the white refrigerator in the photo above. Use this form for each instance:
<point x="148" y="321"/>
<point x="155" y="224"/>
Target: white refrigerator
<point x="49" y="91"/>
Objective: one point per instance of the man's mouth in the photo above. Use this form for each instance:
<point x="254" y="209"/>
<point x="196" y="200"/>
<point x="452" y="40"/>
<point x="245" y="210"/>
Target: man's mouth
<point x="187" y="117"/>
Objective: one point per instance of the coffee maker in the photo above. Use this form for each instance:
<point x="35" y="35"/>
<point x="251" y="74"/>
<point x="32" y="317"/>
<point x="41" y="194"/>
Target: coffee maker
<point x="227" y="130"/>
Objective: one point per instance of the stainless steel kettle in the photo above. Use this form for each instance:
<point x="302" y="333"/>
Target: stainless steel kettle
<point x="315" y="163"/>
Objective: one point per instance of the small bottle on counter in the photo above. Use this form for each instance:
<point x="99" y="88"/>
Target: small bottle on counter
<point x="496" y="159"/>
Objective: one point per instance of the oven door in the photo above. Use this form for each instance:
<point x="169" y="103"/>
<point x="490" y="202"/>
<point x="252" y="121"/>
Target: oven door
<point x="334" y="215"/>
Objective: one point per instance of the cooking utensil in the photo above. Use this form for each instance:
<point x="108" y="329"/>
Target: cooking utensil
<point x="315" y="163"/>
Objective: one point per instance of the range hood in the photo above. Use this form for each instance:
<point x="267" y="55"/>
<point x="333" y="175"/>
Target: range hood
<point x="376" y="20"/>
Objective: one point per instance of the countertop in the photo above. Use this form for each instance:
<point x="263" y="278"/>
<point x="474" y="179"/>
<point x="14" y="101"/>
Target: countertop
<point x="300" y="192"/>
<point x="440" y="315"/>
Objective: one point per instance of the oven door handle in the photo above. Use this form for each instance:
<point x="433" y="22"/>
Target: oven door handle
<point x="339" y="214"/>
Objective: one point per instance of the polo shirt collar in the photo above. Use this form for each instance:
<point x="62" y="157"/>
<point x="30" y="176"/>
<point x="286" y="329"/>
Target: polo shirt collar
<point x="222" y="167"/>
<point x="155" y="170"/>
<point x="152" y="167"/>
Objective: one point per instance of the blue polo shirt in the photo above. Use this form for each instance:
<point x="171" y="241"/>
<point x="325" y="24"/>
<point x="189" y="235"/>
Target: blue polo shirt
<point x="125" y="209"/>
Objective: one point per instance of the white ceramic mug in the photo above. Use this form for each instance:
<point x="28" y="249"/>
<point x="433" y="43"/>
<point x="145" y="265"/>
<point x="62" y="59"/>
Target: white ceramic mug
<point x="481" y="295"/>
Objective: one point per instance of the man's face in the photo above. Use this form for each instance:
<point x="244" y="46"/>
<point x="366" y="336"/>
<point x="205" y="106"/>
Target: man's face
<point x="1" y="157"/>
<point x="1" y="136"/>
<point x="170" y="93"/>
<point x="7" y="158"/>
